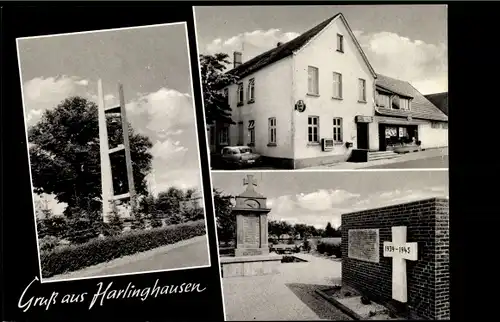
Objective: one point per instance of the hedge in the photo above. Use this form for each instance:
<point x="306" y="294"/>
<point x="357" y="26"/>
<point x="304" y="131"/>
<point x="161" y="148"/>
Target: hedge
<point x="330" y="246"/>
<point x="96" y="251"/>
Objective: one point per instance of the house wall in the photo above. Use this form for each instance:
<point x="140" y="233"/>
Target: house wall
<point x="428" y="277"/>
<point x="273" y="98"/>
<point x="433" y="137"/>
<point x="322" y="53"/>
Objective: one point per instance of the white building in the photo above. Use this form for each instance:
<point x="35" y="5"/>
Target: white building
<point x="312" y="101"/>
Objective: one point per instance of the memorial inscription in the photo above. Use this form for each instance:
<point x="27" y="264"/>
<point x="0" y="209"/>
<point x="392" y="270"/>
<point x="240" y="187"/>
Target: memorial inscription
<point x="363" y="244"/>
<point x="251" y="228"/>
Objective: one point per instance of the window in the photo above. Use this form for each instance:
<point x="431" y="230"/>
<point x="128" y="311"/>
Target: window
<point x="251" y="90"/>
<point x="404" y="104"/>
<point x="312" y="80"/>
<point x="240" y="94"/>
<point x="340" y="43"/>
<point x="226" y="95"/>
<point x="337" y="130"/>
<point x="251" y="131"/>
<point x="272" y="130"/>
<point x="337" y="85"/>
<point x="313" y="129"/>
<point x="362" y="90"/>
<point x="383" y="100"/>
<point x="224" y="135"/>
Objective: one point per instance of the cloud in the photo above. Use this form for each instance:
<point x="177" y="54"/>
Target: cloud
<point x="163" y="112"/>
<point x="322" y="206"/>
<point x="166" y="116"/>
<point x="251" y="43"/>
<point x="323" y="199"/>
<point x="422" y="64"/>
<point x="42" y="93"/>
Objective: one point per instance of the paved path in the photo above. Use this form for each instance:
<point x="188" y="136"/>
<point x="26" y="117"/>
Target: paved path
<point x="422" y="159"/>
<point x="286" y="296"/>
<point x="429" y="159"/>
<point x="187" y="253"/>
<point x="438" y="162"/>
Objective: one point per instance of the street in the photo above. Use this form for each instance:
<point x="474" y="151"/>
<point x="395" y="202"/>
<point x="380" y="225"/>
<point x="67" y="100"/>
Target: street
<point x="190" y="253"/>
<point x="428" y="163"/>
<point x="426" y="159"/>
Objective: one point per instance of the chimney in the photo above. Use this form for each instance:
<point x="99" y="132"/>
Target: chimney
<point x="279" y="44"/>
<point x="236" y="59"/>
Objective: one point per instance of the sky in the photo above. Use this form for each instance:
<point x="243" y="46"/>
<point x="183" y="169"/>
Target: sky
<point x="408" y="42"/>
<point x="316" y="198"/>
<point x="153" y="65"/>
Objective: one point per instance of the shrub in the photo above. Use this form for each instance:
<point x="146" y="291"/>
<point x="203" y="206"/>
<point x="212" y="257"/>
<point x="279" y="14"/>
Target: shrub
<point x="330" y="246"/>
<point x="306" y="245"/>
<point x="96" y="251"/>
<point x="288" y="259"/>
<point x="48" y="243"/>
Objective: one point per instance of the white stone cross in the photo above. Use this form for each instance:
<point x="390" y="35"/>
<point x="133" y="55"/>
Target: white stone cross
<point x="400" y="251"/>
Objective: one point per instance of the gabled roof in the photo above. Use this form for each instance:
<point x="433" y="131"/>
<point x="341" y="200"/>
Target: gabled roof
<point x="421" y="107"/>
<point x="288" y="48"/>
<point x="440" y="100"/>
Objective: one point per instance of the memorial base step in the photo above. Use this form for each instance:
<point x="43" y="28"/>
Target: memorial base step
<point x="239" y="266"/>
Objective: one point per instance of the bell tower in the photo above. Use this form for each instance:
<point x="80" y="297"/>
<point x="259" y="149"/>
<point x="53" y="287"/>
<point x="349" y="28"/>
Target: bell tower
<point x="108" y="193"/>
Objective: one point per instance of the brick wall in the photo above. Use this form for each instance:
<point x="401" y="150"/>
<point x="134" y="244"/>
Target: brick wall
<point x="428" y="278"/>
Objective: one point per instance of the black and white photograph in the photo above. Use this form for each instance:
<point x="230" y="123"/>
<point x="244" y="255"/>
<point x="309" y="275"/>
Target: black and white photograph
<point x="325" y="87"/>
<point x="334" y="245"/>
<point x="114" y="152"/>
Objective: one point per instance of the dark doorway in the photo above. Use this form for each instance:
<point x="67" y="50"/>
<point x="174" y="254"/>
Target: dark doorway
<point x="381" y="137"/>
<point x="362" y="136"/>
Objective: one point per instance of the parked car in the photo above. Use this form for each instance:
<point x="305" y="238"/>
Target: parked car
<point x="239" y="157"/>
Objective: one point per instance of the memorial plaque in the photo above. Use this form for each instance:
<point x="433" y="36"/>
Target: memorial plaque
<point x="252" y="252"/>
<point x="363" y="244"/>
<point x="251" y="228"/>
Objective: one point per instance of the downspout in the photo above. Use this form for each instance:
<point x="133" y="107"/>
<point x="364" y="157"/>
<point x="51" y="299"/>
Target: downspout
<point x="292" y="108"/>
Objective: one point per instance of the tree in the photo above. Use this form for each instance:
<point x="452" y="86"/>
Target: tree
<point x="301" y="229"/>
<point x="168" y="204"/>
<point x="85" y="226"/>
<point x="147" y="206"/>
<point x="116" y="224"/>
<point x="65" y="157"/>
<point x="213" y="79"/>
<point x="226" y="222"/>
<point x="329" y="230"/>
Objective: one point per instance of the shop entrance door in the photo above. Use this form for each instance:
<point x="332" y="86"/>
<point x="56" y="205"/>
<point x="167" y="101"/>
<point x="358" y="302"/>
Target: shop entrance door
<point x="362" y="134"/>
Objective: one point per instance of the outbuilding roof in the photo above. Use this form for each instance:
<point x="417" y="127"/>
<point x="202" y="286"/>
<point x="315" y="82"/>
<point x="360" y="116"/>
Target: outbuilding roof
<point x="421" y="107"/>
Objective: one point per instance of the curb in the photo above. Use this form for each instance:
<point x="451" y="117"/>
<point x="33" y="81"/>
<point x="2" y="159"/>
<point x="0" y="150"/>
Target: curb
<point x="339" y="305"/>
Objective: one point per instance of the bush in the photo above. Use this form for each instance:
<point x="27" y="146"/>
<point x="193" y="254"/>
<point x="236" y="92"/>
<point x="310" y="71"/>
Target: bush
<point x="330" y="246"/>
<point x="307" y="245"/>
<point x="48" y="243"/>
<point x="96" y="251"/>
<point x="288" y="259"/>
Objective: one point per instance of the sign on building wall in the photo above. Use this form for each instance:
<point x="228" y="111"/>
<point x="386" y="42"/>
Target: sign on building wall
<point x="363" y="244"/>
